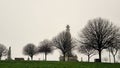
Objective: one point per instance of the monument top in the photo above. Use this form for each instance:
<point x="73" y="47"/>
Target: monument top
<point x="67" y="28"/>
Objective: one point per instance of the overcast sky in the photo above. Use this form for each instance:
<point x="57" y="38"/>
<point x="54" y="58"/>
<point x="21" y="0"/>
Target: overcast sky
<point x="31" y="21"/>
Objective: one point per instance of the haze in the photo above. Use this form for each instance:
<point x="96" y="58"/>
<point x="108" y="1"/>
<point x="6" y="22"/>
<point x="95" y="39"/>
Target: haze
<point x="31" y="21"/>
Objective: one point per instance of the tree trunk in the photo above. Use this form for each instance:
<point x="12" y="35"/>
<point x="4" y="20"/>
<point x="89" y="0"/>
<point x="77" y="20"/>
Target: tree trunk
<point x="0" y="57"/>
<point x="64" y="57"/>
<point x="109" y="57"/>
<point x="45" y="56"/>
<point x="114" y="58"/>
<point x="88" y="58"/>
<point x="99" y="55"/>
<point x="31" y="57"/>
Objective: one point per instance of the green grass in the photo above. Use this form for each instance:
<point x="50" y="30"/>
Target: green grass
<point x="55" y="64"/>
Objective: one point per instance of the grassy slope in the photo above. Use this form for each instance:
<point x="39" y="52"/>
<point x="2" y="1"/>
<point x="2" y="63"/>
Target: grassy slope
<point x="54" y="64"/>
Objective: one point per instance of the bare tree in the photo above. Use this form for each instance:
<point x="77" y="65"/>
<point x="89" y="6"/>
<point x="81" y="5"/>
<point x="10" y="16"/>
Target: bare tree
<point x="113" y="51"/>
<point x="114" y="48"/>
<point x="3" y="51"/>
<point x="46" y="47"/>
<point x="87" y="50"/>
<point x="30" y="50"/>
<point x="64" y="43"/>
<point x="99" y="33"/>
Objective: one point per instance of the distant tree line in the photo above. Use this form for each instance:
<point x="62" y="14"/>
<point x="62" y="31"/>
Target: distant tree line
<point x="99" y="34"/>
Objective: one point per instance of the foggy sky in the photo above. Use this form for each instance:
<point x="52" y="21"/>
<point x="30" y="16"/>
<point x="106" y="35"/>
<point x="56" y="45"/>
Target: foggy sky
<point x="31" y="21"/>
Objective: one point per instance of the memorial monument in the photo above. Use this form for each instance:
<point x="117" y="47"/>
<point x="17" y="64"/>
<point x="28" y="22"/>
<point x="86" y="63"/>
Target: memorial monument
<point x="69" y="55"/>
<point x="9" y="54"/>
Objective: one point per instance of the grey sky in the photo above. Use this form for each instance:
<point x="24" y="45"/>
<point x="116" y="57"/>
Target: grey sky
<point x="31" y="21"/>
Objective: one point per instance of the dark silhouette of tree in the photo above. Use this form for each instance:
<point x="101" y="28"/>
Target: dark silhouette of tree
<point x="30" y="50"/>
<point x="46" y="47"/>
<point x="113" y="51"/>
<point x="64" y="43"/>
<point x="3" y="51"/>
<point x="87" y="50"/>
<point x="115" y="46"/>
<point x="99" y="33"/>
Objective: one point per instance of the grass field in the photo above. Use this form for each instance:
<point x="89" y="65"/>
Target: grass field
<point x="55" y="64"/>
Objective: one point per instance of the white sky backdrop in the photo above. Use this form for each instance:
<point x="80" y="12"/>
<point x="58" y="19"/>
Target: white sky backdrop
<point x="31" y="21"/>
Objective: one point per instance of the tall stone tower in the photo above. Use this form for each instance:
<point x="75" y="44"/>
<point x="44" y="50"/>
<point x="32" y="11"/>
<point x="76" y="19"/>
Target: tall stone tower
<point x="68" y="35"/>
<point x="69" y="55"/>
<point x="9" y="54"/>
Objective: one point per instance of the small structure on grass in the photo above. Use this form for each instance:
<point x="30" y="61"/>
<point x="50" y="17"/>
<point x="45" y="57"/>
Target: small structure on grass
<point x="97" y="60"/>
<point x="19" y="59"/>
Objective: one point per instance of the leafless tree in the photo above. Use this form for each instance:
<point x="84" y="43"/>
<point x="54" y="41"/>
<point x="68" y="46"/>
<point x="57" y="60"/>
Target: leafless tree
<point x="87" y="50"/>
<point x="99" y="33"/>
<point x="30" y="50"/>
<point x="46" y="47"/>
<point x="64" y="43"/>
<point x="115" y="46"/>
<point x="3" y="51"/>
<point x="113" y="51"/>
